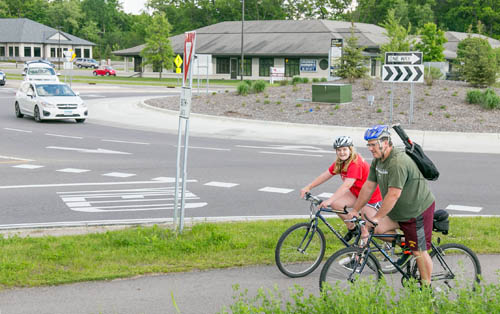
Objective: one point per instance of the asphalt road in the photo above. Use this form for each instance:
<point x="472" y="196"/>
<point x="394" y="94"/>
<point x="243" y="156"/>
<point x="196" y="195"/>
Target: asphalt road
<point x="60" y="171"/>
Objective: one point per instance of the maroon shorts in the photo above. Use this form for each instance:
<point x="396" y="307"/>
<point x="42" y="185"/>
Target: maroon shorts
<point x="418" y="231"/>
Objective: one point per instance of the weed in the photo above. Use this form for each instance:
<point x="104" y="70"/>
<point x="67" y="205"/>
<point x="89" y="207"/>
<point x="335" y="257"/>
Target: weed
<point x="214" y="93"/>
<point x="243" y="104"/>
<point x="379" y="110"/>
<point x="443" y="107"/>
<point x="295" y="89"/>
<point x="337" y="107"/>
<point x="278" y="102"/>
<point x="298" y="105"/>
<point x="242" y="89"/>
<point x="257" y="100"/>
<point x="430" y="113"/>
<point x="266" y="102"/>
<point x="454" y="94"/>
<point x="447" y="115"/>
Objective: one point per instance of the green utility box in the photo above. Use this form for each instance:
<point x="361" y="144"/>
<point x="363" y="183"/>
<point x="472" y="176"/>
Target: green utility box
<point x="332" y="93"/>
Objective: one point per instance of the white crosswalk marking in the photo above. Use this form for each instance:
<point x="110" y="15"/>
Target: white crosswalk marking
<point x="27" y="166"/>
<point x="275" y="190"/>
<point x="464" y="208"/>
<point x="221" y="184"/>
<point x="119" y="174"/>
<point x="73" y="170"/>
<point x="146" y="199"/>
<point x="325" y="195"/>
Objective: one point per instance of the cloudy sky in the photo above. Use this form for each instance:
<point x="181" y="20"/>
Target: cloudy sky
<point x="133" y="6"/>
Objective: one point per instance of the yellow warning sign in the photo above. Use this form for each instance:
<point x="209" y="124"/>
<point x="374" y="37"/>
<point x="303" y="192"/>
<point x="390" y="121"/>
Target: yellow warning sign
<point x="178" y="62"/>
<point x="177" y="70"/>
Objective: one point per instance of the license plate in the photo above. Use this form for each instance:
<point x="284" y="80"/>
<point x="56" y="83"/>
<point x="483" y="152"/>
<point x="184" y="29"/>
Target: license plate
<point x="68" y="112"/>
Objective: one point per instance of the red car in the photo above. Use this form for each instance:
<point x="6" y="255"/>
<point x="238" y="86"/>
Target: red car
<point x="105" y="70"/>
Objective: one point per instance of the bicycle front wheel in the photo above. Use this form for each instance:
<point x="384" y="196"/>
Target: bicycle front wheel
<point x="300" y="250"/>
<point x="456" y="266"/>
<point x="344" y="267"/>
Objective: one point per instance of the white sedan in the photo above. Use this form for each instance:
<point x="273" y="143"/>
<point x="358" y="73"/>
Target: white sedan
<point x="49" y="101"/>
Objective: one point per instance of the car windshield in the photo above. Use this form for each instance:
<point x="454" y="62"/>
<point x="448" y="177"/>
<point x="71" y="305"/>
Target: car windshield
<point x="49" y="90"/>
<point x="41" y="71"/>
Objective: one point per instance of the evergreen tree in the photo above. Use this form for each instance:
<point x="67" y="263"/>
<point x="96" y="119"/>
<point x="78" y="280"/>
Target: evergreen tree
<point x="431" y="43"/>
<point x="158" y="50"/>
<point x="399" y="39"/>
<point x="352" y="62"/>
<point x="477" y="61"/>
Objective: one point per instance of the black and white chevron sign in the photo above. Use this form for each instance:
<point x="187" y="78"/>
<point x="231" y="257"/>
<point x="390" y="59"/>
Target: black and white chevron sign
<point x="403" y="73"/>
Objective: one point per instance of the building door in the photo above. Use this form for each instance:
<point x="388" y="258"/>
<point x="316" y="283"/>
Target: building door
<point x="373" y="69"/>
<point x="137" y="64"/>
<point x="234" y="68"/>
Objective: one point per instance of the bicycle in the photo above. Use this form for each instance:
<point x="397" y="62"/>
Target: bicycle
<point x="453" y="264"/>
<point x="301" y="248"/>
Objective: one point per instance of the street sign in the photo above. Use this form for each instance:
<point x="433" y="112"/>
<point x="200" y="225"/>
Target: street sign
<point x="189" y="41"/>
<point x="403" y="73"/>
<point x="185" y="107"/>
<point x="413" y="57"/>
<point x="178" y="61"/>
<point x="334" y="55"/>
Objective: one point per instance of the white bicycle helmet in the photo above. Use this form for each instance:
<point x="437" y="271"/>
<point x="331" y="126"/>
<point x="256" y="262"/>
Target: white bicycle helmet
<point x="342" y="141"/>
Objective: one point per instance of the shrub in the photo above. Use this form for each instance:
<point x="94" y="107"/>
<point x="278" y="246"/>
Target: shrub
<point x="305" y="80"/>
<point x="323" y="79"/>
<point x="367" y="83"/>
<point x="474" y="96"/>
<point x="284" y="82"/>
<point x="490" y="99"/>
<point x="242" y="89"/>
<point x="315" y="80"/>
<point x="296" y="80"/>
<point x="259" y="86"/>
<point x="248" y="82"/>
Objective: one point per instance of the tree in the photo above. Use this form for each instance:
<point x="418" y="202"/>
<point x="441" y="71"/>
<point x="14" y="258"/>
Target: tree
<point x="399" y="39"/>
<point x="158" y="50"/>
<point x="477" y="61"/>
<point x="431" y="43"/>
<point x="352" y="62"/>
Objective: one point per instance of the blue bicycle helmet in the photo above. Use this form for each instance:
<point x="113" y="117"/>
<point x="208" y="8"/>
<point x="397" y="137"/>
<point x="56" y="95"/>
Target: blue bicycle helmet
<point x="376" y="132"/>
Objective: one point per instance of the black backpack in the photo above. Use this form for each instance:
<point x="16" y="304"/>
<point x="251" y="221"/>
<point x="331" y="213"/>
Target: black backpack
<point x="441" y="222"/>
<point x="415" y="151"/>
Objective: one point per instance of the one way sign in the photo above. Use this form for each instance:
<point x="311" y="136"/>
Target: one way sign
<point x="403" y="73"/>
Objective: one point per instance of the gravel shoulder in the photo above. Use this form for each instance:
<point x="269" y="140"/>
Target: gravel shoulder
<point x="440" y="107"/>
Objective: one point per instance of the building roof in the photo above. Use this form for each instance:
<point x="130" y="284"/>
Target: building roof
<point x="22" y="30"/>
<point x="274" y="38"/>
<point x="450" y="47"/>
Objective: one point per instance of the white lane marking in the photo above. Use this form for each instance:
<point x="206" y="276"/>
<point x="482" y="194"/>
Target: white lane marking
<point x="73" y="170"/>
<point x="291" y="154"/>
<point x="136" y="208"/>
<point x="126" y="142"/>
<point x="18" y="130"/>
<point x="297" y="148"/>
<point x="275" y="190"/>
<point x="119" y="174"/>
<point x="325" y="195"/>
<point x="27" y="186"/>
<point x="208" y="148"/>
<point x="28" y="166"/>
<point x="166" y="179"/>
<point x="66" y="136"/>
<point x="15" y="158"/>
<point x="86" y="150"/>
<point x="127" y="190"/>
<point x="127" y="197"/>
<point x="221" y="184"/>
<point x="464" y="208"/>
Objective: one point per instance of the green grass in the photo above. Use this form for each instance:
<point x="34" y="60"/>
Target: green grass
<point x="52" y="260"/>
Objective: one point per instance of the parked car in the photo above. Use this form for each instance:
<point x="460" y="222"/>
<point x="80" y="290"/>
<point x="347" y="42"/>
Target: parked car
<point x="105" y="70"/>
<point x="49" y="101"/>
<point x="3" y="78"/>
<point x="40" y="71"/>
<point x="38" y="61"/>
<point x="86" y="63"/>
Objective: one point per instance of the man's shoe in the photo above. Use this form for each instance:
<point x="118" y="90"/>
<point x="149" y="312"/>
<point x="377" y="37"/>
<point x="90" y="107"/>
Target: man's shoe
<point x="350" y="234"/>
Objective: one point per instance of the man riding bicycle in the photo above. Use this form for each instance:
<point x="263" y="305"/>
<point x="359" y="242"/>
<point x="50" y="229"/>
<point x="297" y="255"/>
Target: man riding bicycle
<point x="408" y="204"/>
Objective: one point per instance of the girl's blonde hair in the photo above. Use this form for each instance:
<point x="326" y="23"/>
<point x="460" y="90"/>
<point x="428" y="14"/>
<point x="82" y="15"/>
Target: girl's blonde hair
<point x="343" y="165"/>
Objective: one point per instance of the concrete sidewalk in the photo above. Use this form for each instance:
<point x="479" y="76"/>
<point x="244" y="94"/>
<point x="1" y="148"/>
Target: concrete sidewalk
<point x="134" y="113"/>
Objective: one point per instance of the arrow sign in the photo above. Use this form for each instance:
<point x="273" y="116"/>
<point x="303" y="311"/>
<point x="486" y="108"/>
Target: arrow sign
<point x="91" y="151"/>
<point x="403" y="73"/>
<point x="403" y="58"/>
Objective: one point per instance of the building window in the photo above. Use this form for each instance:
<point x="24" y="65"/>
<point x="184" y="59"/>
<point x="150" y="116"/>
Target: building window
<point x="247" y="67"/>
<point x="292" y="67"/>
<point x="78" y="52"/>
<point x="16" y="51"/>
<point x="222" y="66"/>
<point x="52" y="52"/>
<point x="11" y="51"/>
<point x="2" y="51"/>
<point x="86" y="53"/>
<point x="264" y="65"/>
<point x="27" y="51"/>
<point x="323" y="64"/>
<point x="37" y="52"/>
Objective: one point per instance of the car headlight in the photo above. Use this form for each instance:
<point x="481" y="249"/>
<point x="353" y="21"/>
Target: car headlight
<point x="47" y="104"/>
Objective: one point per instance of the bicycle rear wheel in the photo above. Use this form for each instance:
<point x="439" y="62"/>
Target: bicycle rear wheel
<point x="456" y="266"/>
<point x="343" y="268"/>
<point x="300" y="250"/>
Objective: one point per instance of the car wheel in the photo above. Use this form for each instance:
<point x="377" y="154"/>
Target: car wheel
<point x="18" y="110"/>
<point x="80" y="120"/>
<point x="95" y="73"/>
<point x="37" y="114"/>
<point x="79" y="66"/>
<point x="107" y="73"/>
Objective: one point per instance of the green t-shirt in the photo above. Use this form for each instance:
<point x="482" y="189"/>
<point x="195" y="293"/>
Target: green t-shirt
<point x="401" y="172"/>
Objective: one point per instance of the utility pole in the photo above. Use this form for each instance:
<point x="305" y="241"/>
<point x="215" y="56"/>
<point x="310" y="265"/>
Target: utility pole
<point x="242" y="23"/>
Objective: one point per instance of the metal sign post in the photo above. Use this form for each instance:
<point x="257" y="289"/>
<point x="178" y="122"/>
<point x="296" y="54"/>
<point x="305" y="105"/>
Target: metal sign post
<point x="184" y="111"/>
<point x="403" y="67"/>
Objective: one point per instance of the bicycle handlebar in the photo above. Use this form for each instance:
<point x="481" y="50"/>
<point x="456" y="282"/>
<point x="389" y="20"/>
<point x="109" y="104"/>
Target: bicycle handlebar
<point x="317" y="201"/>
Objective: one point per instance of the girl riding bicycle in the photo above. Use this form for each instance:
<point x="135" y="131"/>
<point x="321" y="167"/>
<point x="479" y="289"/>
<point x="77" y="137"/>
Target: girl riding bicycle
<point x="353" y="170"/>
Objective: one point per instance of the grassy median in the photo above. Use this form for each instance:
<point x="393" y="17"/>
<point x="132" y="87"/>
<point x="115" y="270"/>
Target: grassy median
<point x="144" y="250"/>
